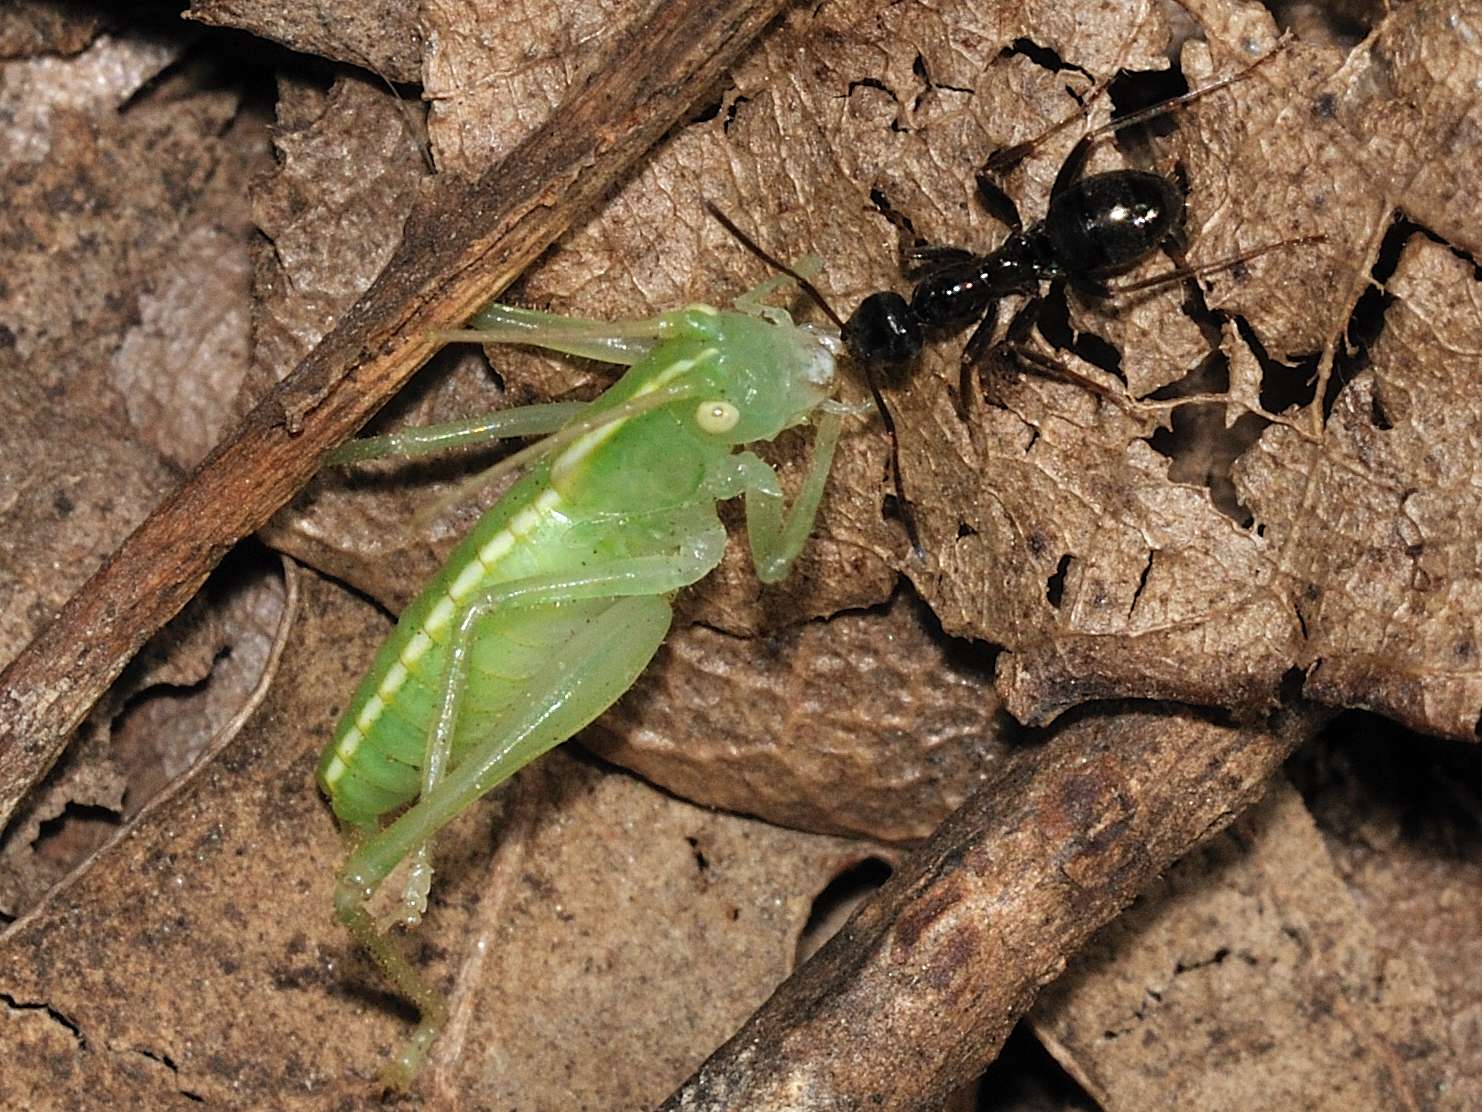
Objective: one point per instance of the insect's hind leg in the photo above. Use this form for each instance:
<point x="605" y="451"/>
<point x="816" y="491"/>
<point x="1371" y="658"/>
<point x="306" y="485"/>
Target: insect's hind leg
<point x="636" y="575"/>
<point x="597" y="666"/>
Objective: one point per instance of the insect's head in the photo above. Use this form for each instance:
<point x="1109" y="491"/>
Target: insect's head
<point x="854" y="333"/>
<point x="762" y="374"/>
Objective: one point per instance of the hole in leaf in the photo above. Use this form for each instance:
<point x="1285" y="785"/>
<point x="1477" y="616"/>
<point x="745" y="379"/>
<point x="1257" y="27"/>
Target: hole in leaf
<point x="1055" y="585"/>
<point x="1367" y="320"/>
<point x="78" y="830"/>
<point x="1342" y="25"/>
<point x="1132" y="91"/>
<point x="1041" y="56"/>
<point x="701" y="861"/>
<point x="1024" y="1075"/>
<point x="1201" y="452"/>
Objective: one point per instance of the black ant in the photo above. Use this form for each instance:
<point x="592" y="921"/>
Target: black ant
<point x="1096" y="226"/>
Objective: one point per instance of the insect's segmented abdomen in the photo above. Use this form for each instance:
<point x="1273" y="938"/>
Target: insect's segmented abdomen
<point x="374" y="763"/>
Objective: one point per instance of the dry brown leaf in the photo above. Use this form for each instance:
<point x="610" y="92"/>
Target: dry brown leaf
<point x="32" y="27"/>
<point x="1055" y="523"/>
<point x="1250" y="970"/>
<point x="1373" y="526"/>
<point x="103" y="200"/>
<point x="384" y="36"/>
<point x="331" y="214"/>
<point x="1402" y="818"/>
<point x="866" y="724"/>
<point x="183" y="692"/>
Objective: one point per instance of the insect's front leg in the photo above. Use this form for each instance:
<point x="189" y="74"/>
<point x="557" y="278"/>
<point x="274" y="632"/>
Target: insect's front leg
<point x="777" y="538"/>
<point x="624" y="342"/>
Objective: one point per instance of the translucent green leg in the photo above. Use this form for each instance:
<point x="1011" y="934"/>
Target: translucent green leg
<point x="525" y="420"/>
<point x="595" y="667"/>
<point x="625" y="342"/>
<point x="750" y="302"/>
<point x="776" y="539"/>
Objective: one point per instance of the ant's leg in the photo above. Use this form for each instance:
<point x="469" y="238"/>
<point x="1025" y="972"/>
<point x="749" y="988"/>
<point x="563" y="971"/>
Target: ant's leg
<point x="1029" y="361"/>
<point x="1076" y="160"/>
<point x="1100" y="289"/>
<point x="1173" y="104"/>
<point x="974" y="354"/>
<point x="923" y="258"/>
<point x="1006" y="157"/>
<point x="1034" y="362"/>
<point x="1014" y="347"/>
<point x="997" y="203"/>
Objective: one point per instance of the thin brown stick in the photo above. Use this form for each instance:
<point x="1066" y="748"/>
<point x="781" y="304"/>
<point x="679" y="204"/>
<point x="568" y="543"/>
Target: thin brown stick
<point x="463" y="245"/>
<point x="918" y="991"/>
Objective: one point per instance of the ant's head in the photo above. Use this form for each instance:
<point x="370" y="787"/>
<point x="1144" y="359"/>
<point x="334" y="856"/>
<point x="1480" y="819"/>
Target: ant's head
<point x="884" y="331"/>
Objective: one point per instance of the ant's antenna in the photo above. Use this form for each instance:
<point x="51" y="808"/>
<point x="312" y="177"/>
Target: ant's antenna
<point x="776" y="264"/>
<point x="908" y="518"/>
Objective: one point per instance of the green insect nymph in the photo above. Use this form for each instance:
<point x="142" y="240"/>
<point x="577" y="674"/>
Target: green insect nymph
<point x="559" y="597"/>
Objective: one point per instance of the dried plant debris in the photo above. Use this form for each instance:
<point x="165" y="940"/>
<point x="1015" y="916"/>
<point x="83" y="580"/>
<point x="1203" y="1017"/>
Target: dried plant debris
<point x="1258" y="480"/>
<point x="1401" y="816"/>
<point x="330" y="214"/>
<point x="184" y="692"/>
<point x="32" y="27"/>
<point x="122" y="336"/>
<point x="1250" y="969"/>
<point x="613" y="937"/>
<point x="921" y="987"/>
<point x="384" y="37"/>
<point x="1373" y="524"/>
<point x="1109" y="578"/>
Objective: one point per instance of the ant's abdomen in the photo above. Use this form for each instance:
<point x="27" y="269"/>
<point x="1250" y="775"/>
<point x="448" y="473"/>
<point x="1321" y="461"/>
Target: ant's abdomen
<point x="1108" y="222"/>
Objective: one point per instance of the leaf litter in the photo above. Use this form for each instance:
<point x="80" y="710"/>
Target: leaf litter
<point x="1052" y="526"/>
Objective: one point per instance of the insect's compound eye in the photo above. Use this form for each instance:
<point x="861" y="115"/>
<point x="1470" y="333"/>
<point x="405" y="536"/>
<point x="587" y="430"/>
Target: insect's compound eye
<point x="717" y="416"/>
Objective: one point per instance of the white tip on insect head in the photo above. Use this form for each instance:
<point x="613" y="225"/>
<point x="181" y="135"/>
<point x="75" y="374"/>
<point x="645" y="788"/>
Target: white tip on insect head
<point x="823" y="362"/>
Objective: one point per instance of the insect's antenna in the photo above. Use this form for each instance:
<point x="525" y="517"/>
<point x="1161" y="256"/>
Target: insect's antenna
<point x="907" y="517"/>
<point x="567" y="434"/>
